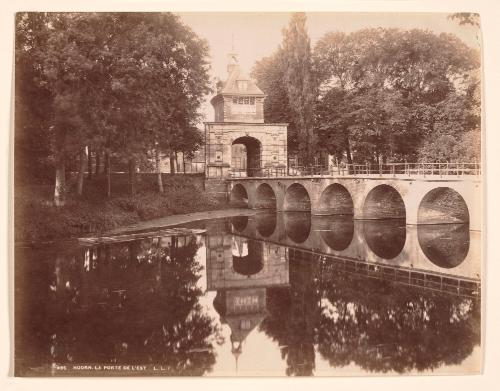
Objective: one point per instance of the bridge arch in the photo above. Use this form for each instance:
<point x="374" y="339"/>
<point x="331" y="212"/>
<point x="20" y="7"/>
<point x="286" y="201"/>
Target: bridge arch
<point x="442" y="205"/>
<point x="336" y="200"/>
<point x="265" y="197"/>
<point x="239" y="196"/>
<point x="297" y="199"/>
<point x="384" y="202"/>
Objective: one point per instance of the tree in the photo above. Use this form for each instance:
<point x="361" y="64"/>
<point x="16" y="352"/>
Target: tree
<point x="394" y="84"/>
<point x="300" y="83"/>
<point x="270" y="76"/>
<point x="128" y="83"/>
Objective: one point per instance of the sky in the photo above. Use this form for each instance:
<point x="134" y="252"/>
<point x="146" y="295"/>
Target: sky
<point x="257" y="35"/>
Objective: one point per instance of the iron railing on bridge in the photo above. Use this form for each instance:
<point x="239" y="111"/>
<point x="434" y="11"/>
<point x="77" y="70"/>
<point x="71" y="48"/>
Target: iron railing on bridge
<point x="388" y="169"/>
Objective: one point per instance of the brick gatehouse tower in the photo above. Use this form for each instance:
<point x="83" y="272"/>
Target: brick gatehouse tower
<point x="238" y="143"/>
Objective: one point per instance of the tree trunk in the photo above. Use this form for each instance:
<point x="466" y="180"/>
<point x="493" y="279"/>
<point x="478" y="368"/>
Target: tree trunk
<point x="172" y="163"/>
<point x="81" y="172"/>
<point x="176" y="163"/>
<point x="60" y="185"/>
<point x="131" y="175"/>
<point x="89" y="162"/>
<point x="107" y="168"/>
<point x="158" y="172"/>
<point x="98" y="162"/>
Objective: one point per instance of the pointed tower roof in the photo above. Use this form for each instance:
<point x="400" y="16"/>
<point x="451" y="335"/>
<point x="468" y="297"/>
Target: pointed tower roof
<point x="233" y="85"/>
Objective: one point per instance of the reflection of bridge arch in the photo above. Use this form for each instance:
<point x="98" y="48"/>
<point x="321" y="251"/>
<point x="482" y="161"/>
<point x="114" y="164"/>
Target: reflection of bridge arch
<point x="446" y="245"/>
<point x="337" y="232"/>
<point x="296" y="199"/>
<point x="399" y="245"/>
<point x="335" y="200"/>
<point x="385" y="238"/>
<point x="239" y="223"/>
<point x="384" y="202"/>
<point x="442" y="205"/>
<point x="297" y="226"/>
<point x="265" y="197"/>
<point x="239" y="196"/>
<point x="266" y="224"/>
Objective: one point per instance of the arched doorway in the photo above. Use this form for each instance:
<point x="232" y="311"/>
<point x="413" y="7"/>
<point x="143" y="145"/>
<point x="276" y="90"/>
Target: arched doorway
<point x="246" y="156"/>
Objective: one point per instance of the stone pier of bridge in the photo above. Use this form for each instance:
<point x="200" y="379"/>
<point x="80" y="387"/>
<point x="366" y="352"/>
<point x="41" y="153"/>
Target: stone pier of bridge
<point x="429" y="200"/>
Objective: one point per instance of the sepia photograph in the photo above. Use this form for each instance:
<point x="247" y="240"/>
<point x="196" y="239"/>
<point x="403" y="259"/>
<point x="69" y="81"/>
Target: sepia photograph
<point x="247" y="194"/>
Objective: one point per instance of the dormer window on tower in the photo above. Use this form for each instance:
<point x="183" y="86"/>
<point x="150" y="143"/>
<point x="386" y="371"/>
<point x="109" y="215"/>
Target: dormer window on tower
<point x="242" y="85"/>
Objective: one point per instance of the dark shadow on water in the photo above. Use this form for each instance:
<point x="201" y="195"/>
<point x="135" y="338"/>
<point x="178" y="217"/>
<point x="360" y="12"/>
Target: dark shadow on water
<point x="297" y="226"/>
<point x="446" y="245"/>
<point x="386" y="238"/>
<point x="336" y="231"/>
<point x="266" y="223"/>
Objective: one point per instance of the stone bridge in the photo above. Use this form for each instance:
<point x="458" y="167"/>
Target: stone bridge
<point x="418" y="200"/>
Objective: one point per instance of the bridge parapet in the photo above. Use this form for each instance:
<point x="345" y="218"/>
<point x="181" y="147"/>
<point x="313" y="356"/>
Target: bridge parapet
<point x="389" y="170"/>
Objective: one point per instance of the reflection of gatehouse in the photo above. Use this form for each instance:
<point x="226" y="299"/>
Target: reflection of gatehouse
<point x="241" y="270"/>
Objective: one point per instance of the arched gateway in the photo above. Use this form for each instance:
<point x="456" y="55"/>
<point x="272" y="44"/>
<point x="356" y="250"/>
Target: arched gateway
<point x="238" y="143"/>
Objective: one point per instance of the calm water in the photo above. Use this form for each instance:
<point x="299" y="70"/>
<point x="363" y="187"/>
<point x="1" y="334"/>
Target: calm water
<point x="272" y="294"/>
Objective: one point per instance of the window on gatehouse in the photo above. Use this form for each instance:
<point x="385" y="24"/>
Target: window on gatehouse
<point x="244" y="100"/>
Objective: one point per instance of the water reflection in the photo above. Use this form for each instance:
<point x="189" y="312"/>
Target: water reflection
<point x="446" y="245"/>
<point x="336" y="231"/>
<point x="247" y="256"/>
<point x="125" y="303"/>
<point x="164" y="300"/>
<point x="386" y="238"/>
<point x="266" y="223"/>
<point x="239" y="223"/>
<point x="297" y="226"/>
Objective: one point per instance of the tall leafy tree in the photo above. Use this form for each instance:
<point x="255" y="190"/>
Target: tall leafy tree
<point x="269" y="73"/>
<point x="300" y="83"/>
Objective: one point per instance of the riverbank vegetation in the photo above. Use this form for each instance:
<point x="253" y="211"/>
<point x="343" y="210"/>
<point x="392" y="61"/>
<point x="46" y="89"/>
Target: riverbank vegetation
<point x="38" y="220"/>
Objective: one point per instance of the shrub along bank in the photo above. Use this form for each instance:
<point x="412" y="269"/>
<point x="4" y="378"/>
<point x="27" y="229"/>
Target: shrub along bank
<point x="38" y="220"/>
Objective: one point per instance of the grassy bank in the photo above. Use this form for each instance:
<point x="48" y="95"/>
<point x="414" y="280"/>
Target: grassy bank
<point x="37" y="220"/>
